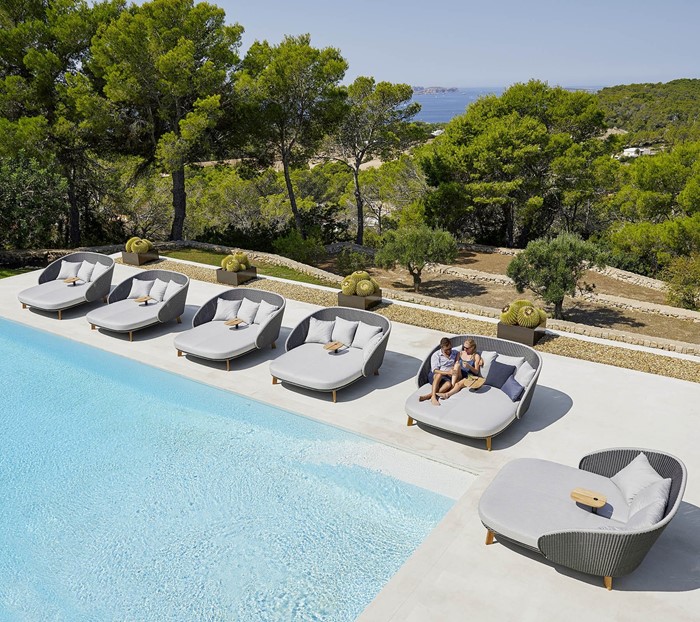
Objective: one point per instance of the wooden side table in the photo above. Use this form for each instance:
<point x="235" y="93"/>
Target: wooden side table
<point x="143" y="299"/>
<point x="233" y="322"/>
<point x="334" y="346"/>
<point x="590" y="498"/>
<point x="71" y="279"/>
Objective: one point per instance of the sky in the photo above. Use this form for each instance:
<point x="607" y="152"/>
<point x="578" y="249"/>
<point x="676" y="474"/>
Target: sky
<point x="478" y="43"/>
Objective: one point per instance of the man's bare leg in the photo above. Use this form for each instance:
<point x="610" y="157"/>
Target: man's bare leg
<point x="437" y="379"/>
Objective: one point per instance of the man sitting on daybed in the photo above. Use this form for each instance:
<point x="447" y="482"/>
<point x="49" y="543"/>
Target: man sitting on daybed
<point x="442" y="364"/>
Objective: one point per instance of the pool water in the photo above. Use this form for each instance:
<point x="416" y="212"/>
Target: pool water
<point x="128" y="493"/>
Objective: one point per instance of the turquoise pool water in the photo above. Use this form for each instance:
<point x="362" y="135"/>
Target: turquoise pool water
<point x="127" y="493"/>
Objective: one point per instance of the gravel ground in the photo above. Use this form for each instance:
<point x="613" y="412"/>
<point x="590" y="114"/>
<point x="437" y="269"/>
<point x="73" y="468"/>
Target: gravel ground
<point x="564" y="346"/>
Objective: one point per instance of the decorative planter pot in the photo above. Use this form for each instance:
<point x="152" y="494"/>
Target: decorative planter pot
<point x="520" y="334"/>
<point x="236" y="278"/>
<point x="360" y="302"/>
<point x="137" y="259"/>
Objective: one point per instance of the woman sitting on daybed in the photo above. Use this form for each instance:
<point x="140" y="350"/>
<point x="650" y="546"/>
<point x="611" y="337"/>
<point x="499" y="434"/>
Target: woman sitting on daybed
<point x="467" y="370"/>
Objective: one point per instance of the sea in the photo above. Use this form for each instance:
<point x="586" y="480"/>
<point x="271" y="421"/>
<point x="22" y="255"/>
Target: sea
<point x="441" y="107"/>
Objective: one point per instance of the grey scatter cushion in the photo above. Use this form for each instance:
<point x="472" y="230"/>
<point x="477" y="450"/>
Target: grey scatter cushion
<point x="487" y="357"/>
<point x="344" y="331"/>
<point x="171" y="289"/>
<point x="512" y="389"/>
<point x="525" y="374"/>
<point x="498" y="374"/>
<point x="636" y="476"/>
<point x="364" y="334"/>
<point x="140" y="288"/>
<point x="158" y="289"/>
<point x="653" y="493"/>
<point x="99" y="270"/>
<point x="226" y="309"/>
<point x="320" y="331"/>
<point x="68" y="269"/>
<point x="647" y="516"/>
<point x="515" y="361"/>
<point x="85" y="271"/>
<point x="248" y="310"/>
<point x="265" y="311"/>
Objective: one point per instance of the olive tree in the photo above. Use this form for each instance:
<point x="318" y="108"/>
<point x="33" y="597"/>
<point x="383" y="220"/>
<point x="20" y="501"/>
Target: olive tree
<point x="553" y="268"/>
<point x="413" y="247"/>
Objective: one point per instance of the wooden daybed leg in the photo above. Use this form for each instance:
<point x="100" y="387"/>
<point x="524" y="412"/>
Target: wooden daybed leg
<point x="274" y="380"/>
<point x="334" y="395"/>
<point x="93" y="327"/>
<point x="608" y="582"/>
<point x="179" y="319"/>
<point x="104" y="299"/>
<point x="274" y="345"/>
<point x="488" y="443"/>
<point x="228" y="364"/>
<point x="489" y="536"/>
<point x="179" y="352"/>
<point x="410" y="421"/>
<point x="131" y="335"/>
<point x="60" y="314"/>
<point x="376" y="372"/>
<point x="24" y="306"/>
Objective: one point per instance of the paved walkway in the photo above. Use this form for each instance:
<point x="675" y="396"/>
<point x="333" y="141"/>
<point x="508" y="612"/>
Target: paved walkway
<point x="578" y="407"/>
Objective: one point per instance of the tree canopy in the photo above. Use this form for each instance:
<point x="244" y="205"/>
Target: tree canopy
<point x="165" y="66"/>
<point x="293" y="91"/>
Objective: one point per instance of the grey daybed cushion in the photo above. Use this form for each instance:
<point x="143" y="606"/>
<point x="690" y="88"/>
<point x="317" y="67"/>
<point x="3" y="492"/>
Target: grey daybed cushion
<point x="481" y="413"/>
<point x="125" y="315"/>
<point x="309" y="365"/>
<point x="216" y="341"/>
<point x="54" y="295"/>
<point x="531" y="497"/>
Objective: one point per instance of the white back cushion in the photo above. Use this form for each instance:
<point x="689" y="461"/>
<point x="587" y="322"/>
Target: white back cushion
<point x="140" y="288"/>
<point x="344" y="331"/>
<point x="364" y="334"/>
<point x="68" y="269"/>
<point x="636" y="476"/>
<point x="171" y="289"/>
<point x="653" y="493"/>
<point x="85" y="271"/>
<point x="524" y="374"/>
<point x="248" y="310"/>
<point x="515" y="361"/>
<point x="320" y="331"/>
<point x="99" y="270"/>
<point x="158" y="289"/>
<point x="265" y="311"/>
<point x="226" y="309"/>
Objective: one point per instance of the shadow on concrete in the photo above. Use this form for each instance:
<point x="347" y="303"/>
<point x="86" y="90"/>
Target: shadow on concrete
<point x="548" y="406"/>
<point x="670" y="566"/>
<point x="445" y="288"/>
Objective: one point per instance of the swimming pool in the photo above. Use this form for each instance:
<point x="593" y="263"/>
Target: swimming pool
<point x="128" y="493"/>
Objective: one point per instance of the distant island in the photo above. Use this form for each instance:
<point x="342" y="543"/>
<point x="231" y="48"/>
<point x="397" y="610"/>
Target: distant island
<point x="429" y="90"/>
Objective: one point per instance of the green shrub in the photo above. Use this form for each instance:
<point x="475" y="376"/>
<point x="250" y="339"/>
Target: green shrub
<point x="351" y="261"/>
<point x="292" y="245"/>
<point x="683" y="282"/>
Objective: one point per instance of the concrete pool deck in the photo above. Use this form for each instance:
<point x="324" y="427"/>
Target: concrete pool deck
<point x="578" y="407"/>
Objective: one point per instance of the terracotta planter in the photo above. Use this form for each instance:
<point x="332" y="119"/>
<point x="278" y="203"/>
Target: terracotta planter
<point x="137" y="259"/>
<point x="360" y="302"/>
<point x="520" y="334"/>
<point x="236" y="278"/>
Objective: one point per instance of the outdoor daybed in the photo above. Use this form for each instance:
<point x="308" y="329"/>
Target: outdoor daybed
<point x="550" y="508"/>
<point x="147" y="298"/>
<point x="215" y="335"/>
<point x="70" y="281"/>
<point x="489" y="410"/>
<point x="307" y="363"/>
